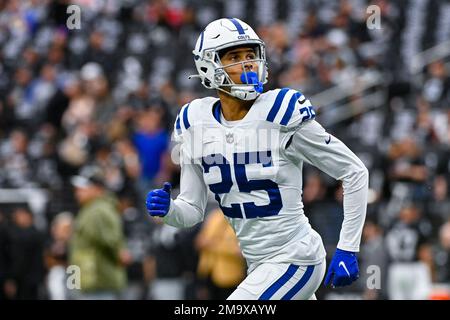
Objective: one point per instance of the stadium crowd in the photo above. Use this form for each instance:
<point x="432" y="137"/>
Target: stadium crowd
<point x="99" y="103"/>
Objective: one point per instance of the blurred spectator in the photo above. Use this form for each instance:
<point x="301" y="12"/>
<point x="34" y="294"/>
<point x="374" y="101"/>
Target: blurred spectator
<point x="323" y="205"/>
<point x="137" y="230"/>
<point x="151" y="141"/>
<point x="314" y="190"/>
<point x="165" y="264"/>
<point x="43" y="88"/>
<point x="407" y="234"/>
<point x="442" y="255"/>
<point x="16" y="170"/>
<point x="112" y="165"/>
<point x="406" y="173"/>
<point x="80" y="107"/>
<point x="96" y="86"/>
<point x="436" y="85"/>
<point x="407" y="161"/>
<point x="98" y="245"/>
<point x="57" y="254"/>
<point x="25" y="270"/>
<point x="59" y="102"/>
<point x="130" y="159"/>
<point x="190" y="257"/>
<point x="438" y="207"/>
<point x="373" y="254"/>
<point x="43" y="151"/>
<point x="4" y="254"/>
<point x="221" y="265"/>
<point x="409" y="275"/>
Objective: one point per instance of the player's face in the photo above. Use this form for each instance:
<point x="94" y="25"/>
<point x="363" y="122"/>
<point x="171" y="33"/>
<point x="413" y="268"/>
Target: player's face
<point x="242" y="54"/>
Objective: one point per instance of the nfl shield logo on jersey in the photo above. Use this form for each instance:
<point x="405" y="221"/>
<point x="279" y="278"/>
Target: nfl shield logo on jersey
<point x="229" y="138"/>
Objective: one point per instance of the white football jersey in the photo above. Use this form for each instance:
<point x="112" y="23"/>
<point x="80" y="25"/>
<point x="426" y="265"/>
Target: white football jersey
<point x="254" y="168"/>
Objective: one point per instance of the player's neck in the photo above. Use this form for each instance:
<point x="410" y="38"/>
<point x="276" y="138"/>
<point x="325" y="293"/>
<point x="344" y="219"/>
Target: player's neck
<point x="233" y="108"/>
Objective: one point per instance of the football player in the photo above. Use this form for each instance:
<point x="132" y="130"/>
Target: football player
<point x="248" y="148"/>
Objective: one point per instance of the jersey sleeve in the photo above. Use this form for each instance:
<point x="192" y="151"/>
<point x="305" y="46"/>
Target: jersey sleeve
<point x="290" y="108"/>
<point x="302" y="113"/>
<point x="311" y="143"/>
<point x="188" y="208"/>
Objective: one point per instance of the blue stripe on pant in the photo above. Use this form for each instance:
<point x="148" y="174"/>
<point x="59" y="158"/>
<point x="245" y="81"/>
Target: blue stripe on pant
<point x="300" y="284"/>
<point x="284" y="279"/>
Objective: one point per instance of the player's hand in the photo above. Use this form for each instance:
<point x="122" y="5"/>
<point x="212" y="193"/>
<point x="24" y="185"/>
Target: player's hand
<point x="158" y="201"/>
<point x="343" y="269"/>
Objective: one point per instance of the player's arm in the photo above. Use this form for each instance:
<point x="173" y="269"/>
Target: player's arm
<point x="314" y="145"/>
<point x="311" y="143"/>
<point x="189" y="207"/>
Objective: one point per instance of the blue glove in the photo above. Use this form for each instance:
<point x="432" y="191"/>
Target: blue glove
<point x="343" y="269"/>
<point x="158" y="201"/>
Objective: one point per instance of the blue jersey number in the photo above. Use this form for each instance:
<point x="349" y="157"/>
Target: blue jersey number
<point x="240" y="160"/>
<point x="310" y="113"/>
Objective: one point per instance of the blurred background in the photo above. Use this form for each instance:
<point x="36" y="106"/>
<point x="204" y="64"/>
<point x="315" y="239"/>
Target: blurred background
<point x="99" y="103"/>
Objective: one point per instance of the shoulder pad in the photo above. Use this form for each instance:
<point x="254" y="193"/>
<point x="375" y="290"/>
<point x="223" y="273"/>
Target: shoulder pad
<point x="289" y="108"/>
<point x="182" y="121"/>
<point x="190" y="114"/>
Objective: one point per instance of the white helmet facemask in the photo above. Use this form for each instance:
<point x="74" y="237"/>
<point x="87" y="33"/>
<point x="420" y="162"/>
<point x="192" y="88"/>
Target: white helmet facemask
<point x="225" y="34"/>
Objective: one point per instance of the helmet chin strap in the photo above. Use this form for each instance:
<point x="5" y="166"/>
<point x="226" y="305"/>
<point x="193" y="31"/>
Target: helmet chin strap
<point x="244" y="92"/>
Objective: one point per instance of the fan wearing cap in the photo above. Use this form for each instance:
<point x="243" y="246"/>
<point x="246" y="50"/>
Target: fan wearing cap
<point x="98" y="246"/>
<point x="88" y="185"/>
